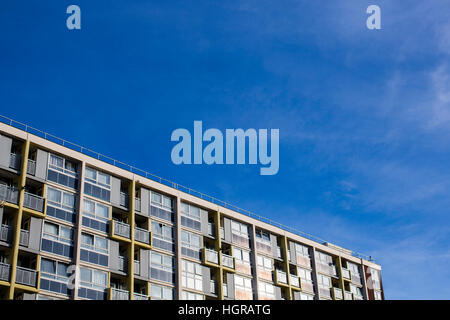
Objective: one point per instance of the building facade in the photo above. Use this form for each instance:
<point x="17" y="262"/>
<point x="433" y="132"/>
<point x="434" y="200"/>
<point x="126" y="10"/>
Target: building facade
<point x="76" y="227"/>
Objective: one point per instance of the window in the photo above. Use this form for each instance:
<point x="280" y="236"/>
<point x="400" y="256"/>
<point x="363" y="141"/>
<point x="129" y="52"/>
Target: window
<point x="186" y="295"/>
<point x="93" y="278"/>
<point x="94" y="243"/>
<point x="191" y="216"/>
<point x="266" y="289"/>
<point x="95" y="210"/>
<point x="161" y="267"/>
<point x="239" y="229"/>
<point x="61" y="204"/>
<point x="262" y="235"/>
<point x="191" y="276"/>
<point x="162" y="201"/>
<point x="97" y="184"/>
<point x="302" y="250"/>
<point x="62" y="165"/>
<point x="242" y="283"/>
<point x="304" y="274"/>
<point x="324" y="281"/>
<point x="190" y="244"/>
<point x="323" y="258"/>
<point x="57" y="232"/>
<point x="158" y="292"/>
<point x="62" y="171"/>
<point x="162" y="236"/>
<point x="242" y="255"/>
<point x="264" y="263"/>
<point x="54" y="270"/>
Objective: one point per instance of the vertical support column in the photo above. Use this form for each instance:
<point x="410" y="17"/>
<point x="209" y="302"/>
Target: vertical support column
<point x="132" y="204"/>
<point x="284" y="247"/>
<point x="341" y="278"/>
<point x="79" y="214"/>
<point x="18" y="218"/>
<point x="315" y="277"/>
<point x="255" y="261"/>
<point x="178" y="242"/>
<point x="218" y="247"/>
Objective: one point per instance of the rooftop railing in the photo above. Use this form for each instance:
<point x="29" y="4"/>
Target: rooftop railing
<point x="143" y="173"/>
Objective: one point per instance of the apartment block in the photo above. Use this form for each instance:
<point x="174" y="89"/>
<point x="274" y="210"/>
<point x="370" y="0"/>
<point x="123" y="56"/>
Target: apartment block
<point x="78" y="225"/>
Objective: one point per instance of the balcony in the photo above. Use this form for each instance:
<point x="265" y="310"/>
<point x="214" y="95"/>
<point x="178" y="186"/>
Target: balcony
<point x="348" y="295"/>
<point x="124" y="199"/>
<point x="211" y="229"/>
<point x="137" y="267"/>
<point x="31" y="167"/>
<point x="14" y="161"/>
<point x="24" y="238"/>
<point x="227" y="261"/>
<point x="118" y="294"/>
<point x="140" y="296"/>
<point x="211" y="256"/>
<point x="142" y="235"/>
<point x="280" y="277"/>
<point x="225" y="290"/>
<point x="34" y="202"/>
<point x="295" y="281"/>
<point x="6" y="233"/>
<point x="357" y="297"/>
<point x="222" y="233"/>
<point x="26" y="276"/>
<point x="121" y="229"/>
<point x="324" y="268"/>
<point x="5" y="271"/>
<point x="346" y="274"/>
<point x="9" y="194"/>
<point x="137" y="204"/>
<point x="212" y="287"/>
<point x="337" y="293"/>
<point x="122" y="264"/>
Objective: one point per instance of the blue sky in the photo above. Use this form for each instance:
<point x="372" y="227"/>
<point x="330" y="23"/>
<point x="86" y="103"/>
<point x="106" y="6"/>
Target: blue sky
<point x="364" y="116"/>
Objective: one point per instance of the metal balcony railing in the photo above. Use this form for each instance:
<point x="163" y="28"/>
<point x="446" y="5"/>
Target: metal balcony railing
<point x="137" y="267"/>
<point x="122" y="264"/>
<point x="137" y="204"/>
<point x="346" y="274"/>
<point x="26" y="276"/>
<point x="6" y="233"/>
<point x="14" y="161"/>
<point x="225" y="290"/>
<point x="337" y="293"/>
<point x="24" y="238"/>
<point x="122" y="229"/>
<point x="148" y="175"/>
<point x="124" y="199"/>
<point x="9" y="194"/>
<point x="212" y="287"/>
<point x="211" y="229"/>
<point x="5" y="271"/>
<point x="140" y="296"/>
<point x="142" y="235"/>
<point x="281" y="276"/>
<point x="227" y="261"/>
<point x="211" y="256"/>
<point x="295" y="281"/>
<point x="119" y="294"/>
<point x="33" y="202"/>
<point x="31" y="167"/>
